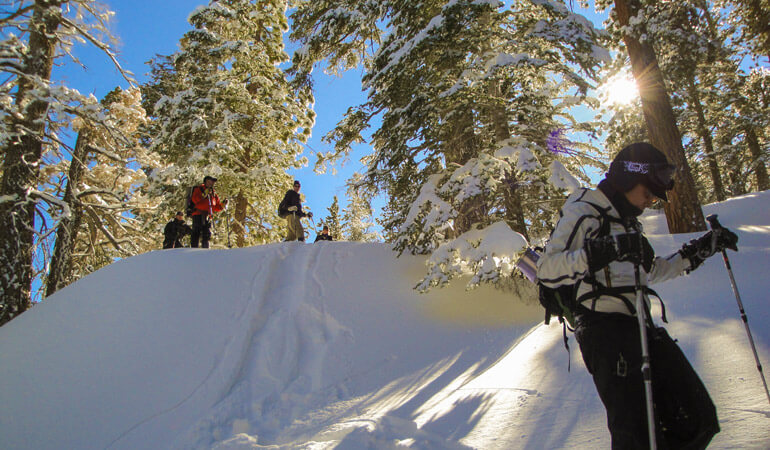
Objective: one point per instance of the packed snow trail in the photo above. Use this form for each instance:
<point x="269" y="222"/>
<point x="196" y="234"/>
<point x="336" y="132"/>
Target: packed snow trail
<point x="327" y="345"/>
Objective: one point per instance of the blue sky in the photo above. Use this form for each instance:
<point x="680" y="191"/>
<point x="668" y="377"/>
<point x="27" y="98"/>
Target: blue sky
<point x="149" y="27"/>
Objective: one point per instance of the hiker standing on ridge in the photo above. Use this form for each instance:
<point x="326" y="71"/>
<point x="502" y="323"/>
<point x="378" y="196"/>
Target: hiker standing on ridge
<point x="324" y="236"/>
<point x="175" y="230"/>
<point x="206" y="203"/>
<point x="603" y="262"/>
<point x="291" y="209"/>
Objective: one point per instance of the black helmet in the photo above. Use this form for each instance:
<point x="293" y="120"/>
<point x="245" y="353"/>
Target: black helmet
<point x="642" y="163"/>
<point x="209" y="178"/>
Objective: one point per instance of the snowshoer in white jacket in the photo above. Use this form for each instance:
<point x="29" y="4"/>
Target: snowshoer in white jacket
<point x="602" y="262"/>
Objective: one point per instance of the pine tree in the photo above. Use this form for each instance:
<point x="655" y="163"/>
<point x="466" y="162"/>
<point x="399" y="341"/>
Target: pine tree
<point x="333" y="219"/>
<point x="756" y="92"/>
<point x="683" y="211"/>
<point x="105" y="169"/>
<point x="701" y="64"/>
<point x="357" y="220"/>
<point x="751" y="18"/>
<point x="475" y="105"/>
<point x="226" y="109"/>
<point x="35" y="110"/>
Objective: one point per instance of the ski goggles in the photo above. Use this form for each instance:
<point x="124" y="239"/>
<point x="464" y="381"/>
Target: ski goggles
<point x="659" y="174"/>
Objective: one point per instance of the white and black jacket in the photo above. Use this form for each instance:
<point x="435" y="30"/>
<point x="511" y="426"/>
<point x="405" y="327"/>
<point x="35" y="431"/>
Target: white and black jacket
<point x="564" y="260"/>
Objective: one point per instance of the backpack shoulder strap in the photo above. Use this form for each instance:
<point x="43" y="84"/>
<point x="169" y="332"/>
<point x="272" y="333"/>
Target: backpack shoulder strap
<point x="605" y="220"/>
<point x="604" y="230"/>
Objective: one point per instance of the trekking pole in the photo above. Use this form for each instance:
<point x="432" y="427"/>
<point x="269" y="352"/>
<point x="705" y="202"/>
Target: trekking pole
<point x="313" y="222"/>
<point x="227" y="218"/>
<point x="641" y="314"/>
<point x="716" y="227"/>
<point x="210" y="216"/>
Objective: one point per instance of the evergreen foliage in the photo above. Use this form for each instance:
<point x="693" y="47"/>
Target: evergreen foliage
<point x="332" y="220"/>
<point x="751" y="20"/>
<point x="226" y="109"/>
<point x="719" y="111"/>
<point x="357" y="220"/>
<point x="475" y="103"/>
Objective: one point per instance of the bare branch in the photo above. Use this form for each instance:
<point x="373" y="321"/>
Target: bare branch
<point x="5" y="20"/>
<point x="98" y="224"/>
<point x="101" y="46"/>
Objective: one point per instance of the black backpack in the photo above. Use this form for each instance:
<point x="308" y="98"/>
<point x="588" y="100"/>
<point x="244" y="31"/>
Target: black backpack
<point x="189" y="205"/>
<point x="282" y="209"/>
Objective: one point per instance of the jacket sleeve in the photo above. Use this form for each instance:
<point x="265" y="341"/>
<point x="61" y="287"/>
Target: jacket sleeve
<point x="216" y="205"/>
<point x="564" y="260"/>
<point x="298" y="201"/>
<point x="666" y="268"/>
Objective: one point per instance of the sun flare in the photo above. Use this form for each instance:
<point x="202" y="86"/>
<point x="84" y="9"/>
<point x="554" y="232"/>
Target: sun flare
<point x="620" y="90"/>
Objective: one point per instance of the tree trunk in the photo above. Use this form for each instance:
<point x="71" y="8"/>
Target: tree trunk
<point x="763" y="183"/>
<point x="683" y="209"/>
<point x="514" y="212"/>
<point x="241" y="206"/>
<point x="60" y="271"/>
<point x="736" y="174"/>
<point x="21" y="160"/>
<point x="239" y="228"/>
<point x="708" y="142"/>
<point x="461" y="147"/>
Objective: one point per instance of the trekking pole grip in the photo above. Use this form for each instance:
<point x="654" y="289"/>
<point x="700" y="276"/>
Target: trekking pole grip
<point x="712" y="220"/>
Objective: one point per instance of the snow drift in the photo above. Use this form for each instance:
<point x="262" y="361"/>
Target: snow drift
<point x="328" y="346"/>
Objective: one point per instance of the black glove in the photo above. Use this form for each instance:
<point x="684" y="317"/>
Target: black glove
<point x="310" y="214"/>
<point x="697" y="250"/>
<point x="631" y="247"/>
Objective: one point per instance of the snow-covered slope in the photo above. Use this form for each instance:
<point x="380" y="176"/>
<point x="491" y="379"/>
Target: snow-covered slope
<point x="327" y="346"/>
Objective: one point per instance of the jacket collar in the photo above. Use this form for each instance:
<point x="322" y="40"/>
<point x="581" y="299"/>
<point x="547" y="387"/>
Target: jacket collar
<point x="619" y="201"/>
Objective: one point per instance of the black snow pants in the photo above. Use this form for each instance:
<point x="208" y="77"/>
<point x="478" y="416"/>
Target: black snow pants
<point x="201" y="229"/>
<point x="685" y="415"/>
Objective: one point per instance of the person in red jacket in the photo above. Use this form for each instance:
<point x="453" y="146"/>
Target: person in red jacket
<point x="206" y="203"/>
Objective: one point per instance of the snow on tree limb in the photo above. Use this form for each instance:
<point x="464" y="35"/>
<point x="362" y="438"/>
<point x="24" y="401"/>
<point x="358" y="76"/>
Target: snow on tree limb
<point x="483" y="255"/>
